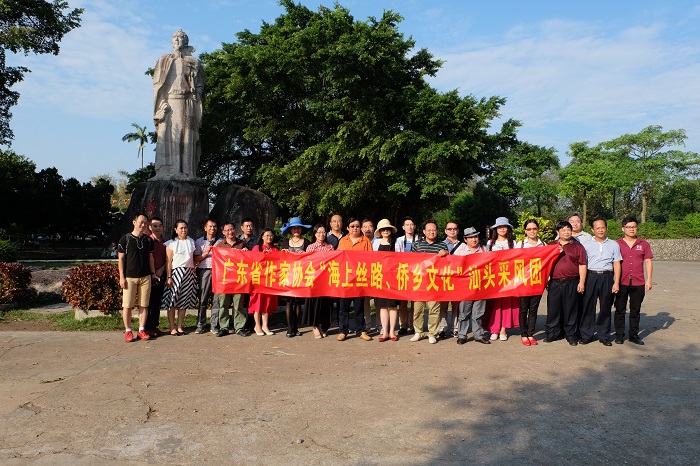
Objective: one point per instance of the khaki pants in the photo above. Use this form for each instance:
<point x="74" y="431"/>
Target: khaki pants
<point x="433" y="317"/>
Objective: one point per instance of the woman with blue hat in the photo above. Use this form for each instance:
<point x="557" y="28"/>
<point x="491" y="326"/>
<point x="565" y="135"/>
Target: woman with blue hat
<point x="297" y="244"/>
<point x="502" y="313"/>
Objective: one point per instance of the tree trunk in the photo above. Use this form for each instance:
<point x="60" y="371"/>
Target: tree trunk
<point x="644" y="207"/>
<point x="584" y="213"/>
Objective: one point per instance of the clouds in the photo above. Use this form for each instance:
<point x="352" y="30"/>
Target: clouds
<point x="577" y="74"/>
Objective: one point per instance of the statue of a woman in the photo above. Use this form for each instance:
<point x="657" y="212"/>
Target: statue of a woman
<point x="178" y="90"/>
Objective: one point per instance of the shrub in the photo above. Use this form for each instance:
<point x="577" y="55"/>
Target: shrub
<point x="94" y="286"/>
<point x="14" y="282"/>
<point x="8" y="251"/>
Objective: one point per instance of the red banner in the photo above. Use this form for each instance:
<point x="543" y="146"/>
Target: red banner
<point x="397" y="275"/>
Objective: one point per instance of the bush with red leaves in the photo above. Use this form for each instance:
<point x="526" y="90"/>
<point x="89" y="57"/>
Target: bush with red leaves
<point x="94" y="286"/>
<point x="14" y="282"/>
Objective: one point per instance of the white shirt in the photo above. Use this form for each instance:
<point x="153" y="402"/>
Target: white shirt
<point x="183" y="252"/>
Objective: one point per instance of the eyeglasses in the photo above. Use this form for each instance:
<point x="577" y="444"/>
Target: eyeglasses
<point x="531" y="229"/>
<point x="451" y="229"/>
<point x="227" y="229"/>
<point x="353" y="226"/>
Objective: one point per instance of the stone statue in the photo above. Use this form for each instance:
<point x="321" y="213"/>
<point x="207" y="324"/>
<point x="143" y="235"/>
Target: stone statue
<point x="178" y="90"/>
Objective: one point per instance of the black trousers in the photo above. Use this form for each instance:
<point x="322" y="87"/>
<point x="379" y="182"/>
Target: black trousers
<point x="528" y="315"/>
<point x="153" y="317"/>
<point x="635" y="294"/>
<point x="344" y="314"/>
<point x="562" y="309"/>
<point x="598" y="288"/>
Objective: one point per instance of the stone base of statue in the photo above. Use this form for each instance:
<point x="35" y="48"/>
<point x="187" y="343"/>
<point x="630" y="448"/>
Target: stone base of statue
<point x="169" y="200"/>
<point x="238" y="202"/>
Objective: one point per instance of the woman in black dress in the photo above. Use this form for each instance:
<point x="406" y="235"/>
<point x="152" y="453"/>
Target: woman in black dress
<point x="296" y="244"/>
<point x="388" y="308"/>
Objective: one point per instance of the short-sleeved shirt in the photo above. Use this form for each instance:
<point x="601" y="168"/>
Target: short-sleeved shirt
<point x="251" y="242"/>
<point x="583" y="237"/>
<point x="333" y="240"/>
<point x="137" y="251"/>
<point x="567" y="265"/>
<point x="524" y="244"/>
<point x="183" y="252"/>
<point x="284" y="244"/>
<point x="464" y="250"/>
<point x="238" y="244"/>
<point x="430" y="248"/>
<point x="363" y="244"/>
<point x="199" y="249"/>
<point x="602" y="255"/>
<point x="450" y="245"/>
<point x="159" y="254"/>
<point x="633" y="261"/>
<point x="500" y="246"/>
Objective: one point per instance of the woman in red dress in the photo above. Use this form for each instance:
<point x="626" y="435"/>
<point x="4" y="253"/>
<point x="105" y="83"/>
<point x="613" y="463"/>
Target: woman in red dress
<point x="260" y="303"/>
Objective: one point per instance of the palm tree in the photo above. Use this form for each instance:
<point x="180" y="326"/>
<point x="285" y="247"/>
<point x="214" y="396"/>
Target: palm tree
<point x="141" y="136"/>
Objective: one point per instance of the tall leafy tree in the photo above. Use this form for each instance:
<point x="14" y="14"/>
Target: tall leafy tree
<point x="28" y="26"/>
<point x="17" y="184"/>
<point x="327" y="113"/>
<point x="656" y="161"/>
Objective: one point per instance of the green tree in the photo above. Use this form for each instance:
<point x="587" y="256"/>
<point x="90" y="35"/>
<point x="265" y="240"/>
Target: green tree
<point x="593" y="172"/>
<point x="17" y="177"/>
<point x="28" y="26"/>
<point x="49" y="212"/>
<point x="655" y="162"/>
<point x="141" y="136"/>
<point x="327" y="113"/>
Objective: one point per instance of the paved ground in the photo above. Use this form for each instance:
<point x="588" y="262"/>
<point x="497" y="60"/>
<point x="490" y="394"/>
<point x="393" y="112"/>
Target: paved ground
<point x="83" y="398"/>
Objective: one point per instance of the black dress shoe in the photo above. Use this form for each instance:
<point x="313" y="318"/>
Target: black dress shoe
<point x="461" y="341"/>
<point x="585" y="342"/>
<point x="619" y="340"/>
<point x="548" y="340"/>
<point x="605" y="342"/>
<point x="222" y="332"/>
<point x="637" y="341"/>
<point x="242" y="332"/>
<point x="402" y="331"/>
<point x="572" y="341"/>
<point x="442" y="335"/>
<point x="290" y="335"/>
<point x="485" y="341"/>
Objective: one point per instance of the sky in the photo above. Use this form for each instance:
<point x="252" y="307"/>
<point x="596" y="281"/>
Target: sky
<point x="570" y="71"/>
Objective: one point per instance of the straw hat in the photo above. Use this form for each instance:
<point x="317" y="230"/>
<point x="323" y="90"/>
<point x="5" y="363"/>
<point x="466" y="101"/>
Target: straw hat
<point x="383" y="223"/>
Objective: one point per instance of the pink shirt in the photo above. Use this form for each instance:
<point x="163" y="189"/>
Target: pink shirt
<point x="633" y="261"/>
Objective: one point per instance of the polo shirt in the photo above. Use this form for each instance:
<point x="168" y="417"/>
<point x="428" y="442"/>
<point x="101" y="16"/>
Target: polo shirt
<point x="450" y="245"/>
<point x="363" y="244"/>
<point x="583" y="237"/>
<point x="602" y="255"/>
<point x="633" y="261"/>
<point x="238" y="244"/>
<point x="431" y="248"/>
<point x="250" y="242"/>
<point x="333" y="240"/>
<point x="567" y="264"/>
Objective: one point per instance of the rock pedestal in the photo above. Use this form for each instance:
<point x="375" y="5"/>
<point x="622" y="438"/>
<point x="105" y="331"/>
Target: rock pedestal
<point x="169" y="200"/>
<point x="238" y="202"/>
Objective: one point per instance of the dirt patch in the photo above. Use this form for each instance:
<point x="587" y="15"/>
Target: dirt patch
<point x="48" y="281"/>
<point x="26" y="325"/>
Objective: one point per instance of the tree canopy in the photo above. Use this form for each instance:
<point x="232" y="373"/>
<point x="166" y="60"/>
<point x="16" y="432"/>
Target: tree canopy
<point x="326" y="113"/>
<point x="28" y="26"/>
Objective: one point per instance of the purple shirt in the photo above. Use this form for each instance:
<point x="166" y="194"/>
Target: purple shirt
<point x="633" y="261"/>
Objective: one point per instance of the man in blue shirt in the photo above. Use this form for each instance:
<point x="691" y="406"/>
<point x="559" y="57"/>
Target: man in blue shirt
<point x="602" y="283"/>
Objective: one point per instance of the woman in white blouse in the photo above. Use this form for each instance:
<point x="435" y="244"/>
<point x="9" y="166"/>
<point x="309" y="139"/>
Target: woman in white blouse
<point x="181" y="291"/>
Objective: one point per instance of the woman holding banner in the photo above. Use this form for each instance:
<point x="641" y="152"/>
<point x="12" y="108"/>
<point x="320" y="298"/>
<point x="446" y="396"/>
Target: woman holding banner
<point x="297" y="244"/>
<point x="260" y="303"/>
<point x="529" y="304"/>
<point x="388" y="308"/>
<point x="319" y="309"/>
<point x="502" y="313"/>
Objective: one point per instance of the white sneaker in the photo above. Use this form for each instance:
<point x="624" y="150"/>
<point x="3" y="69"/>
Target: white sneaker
<point x="493" y="337"/>
<point x="432" y="340"/>
<point x="503" y="337"/>
<point x="416" y="337"/>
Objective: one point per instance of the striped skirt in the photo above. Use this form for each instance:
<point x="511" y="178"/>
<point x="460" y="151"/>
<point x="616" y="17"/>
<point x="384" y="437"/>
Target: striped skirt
<point x="183" y="293"/>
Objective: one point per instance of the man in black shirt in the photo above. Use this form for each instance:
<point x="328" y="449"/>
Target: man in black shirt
<point x="136" y="270"/>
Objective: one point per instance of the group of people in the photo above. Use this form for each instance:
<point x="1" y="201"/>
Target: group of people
<point x="175" y="274"/>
